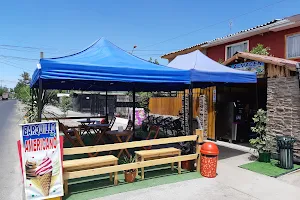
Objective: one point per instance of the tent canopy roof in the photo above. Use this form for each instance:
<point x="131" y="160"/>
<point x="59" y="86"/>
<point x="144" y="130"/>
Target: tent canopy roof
<point x="104" y="66"/>
<point x="205" y="70"/>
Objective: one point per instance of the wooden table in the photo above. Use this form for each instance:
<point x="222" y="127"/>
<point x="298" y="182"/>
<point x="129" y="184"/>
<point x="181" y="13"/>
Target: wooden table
<point x="117" y="138"/>
<point x="99" y="130"/>
<point x="84" y="127"/>
<point x="86" y="121"/>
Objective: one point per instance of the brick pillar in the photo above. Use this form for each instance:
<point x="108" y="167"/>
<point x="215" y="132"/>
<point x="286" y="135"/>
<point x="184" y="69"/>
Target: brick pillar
<point x="283" y="108"/>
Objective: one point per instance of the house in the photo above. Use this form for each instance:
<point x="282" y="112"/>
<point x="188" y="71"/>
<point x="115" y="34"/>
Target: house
<point x="281" y="35"/>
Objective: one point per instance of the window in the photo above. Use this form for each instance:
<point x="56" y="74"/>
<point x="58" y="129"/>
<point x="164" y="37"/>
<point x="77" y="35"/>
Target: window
<point x="293" y="46"/>
<point x="233" y="48"/>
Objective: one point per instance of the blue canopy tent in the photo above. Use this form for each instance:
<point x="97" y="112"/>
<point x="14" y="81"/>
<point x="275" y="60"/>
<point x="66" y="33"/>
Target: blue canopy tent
<point x="206" y="72"/>
<point x="105" y="67"/>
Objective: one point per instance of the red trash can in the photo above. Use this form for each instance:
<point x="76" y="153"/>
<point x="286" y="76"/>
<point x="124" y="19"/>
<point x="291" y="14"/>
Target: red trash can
<point x="208" y="161"/>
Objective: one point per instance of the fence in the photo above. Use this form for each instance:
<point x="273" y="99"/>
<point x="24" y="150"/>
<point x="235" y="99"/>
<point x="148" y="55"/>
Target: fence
<point x="173" y="105"/>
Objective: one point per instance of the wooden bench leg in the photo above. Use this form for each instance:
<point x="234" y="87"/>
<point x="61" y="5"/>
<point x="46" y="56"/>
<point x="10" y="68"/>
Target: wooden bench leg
<point x="110" y="177"/>
<point x="142" y="169"/>
<point x="66" y="187"/>
<point x="172" y="166"/>
<point x="179" y="165"/>
<point x="137" y="160"/>
<point x="116" y="176"/>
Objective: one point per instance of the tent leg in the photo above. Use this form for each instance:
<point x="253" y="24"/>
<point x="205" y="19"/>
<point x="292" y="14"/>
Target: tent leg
<point x="31" y="93"/>
<point x="133" y="112"/>
<point x="39" y="119"/>
<point x="256" y="90"/>
<point x="106" y="106"/>
<point x="191" y="108"/>
<point x="184" y="122"/>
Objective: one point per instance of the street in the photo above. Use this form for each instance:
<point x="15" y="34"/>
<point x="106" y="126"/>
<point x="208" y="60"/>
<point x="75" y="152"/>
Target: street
<point x="10" y="173"/>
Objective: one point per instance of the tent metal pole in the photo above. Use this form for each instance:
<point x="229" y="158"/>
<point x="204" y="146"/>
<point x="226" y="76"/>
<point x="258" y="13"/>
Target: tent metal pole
<point x="106" y="106"/>
<point x="133" y="112"/>
<point x="191" y="108"/>
<point x="256" y="96"/>
<point x="31" y="93"/>
<point x="39" y="119"/>
<point x="184" y="122"/>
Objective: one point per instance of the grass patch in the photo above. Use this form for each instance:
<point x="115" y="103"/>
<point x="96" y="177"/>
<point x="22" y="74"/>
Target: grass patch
<point x="100" y="186"/>
<point x="270" y="169"/>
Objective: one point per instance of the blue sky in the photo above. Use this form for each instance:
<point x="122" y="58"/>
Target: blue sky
<point x="62" y="27"/>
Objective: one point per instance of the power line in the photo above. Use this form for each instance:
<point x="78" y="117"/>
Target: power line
<point x="20" y="58"/>
<point x="188" y="33"/>
<point x="5" y="62"/>
<point x="21" y="50"/>
<point x="9" y="81"/>
<point x="24" y="47"/>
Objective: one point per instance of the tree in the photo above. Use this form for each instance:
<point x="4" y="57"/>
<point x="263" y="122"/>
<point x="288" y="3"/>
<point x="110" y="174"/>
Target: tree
<point x="22" y="89"/>
<point x="144" y="100"/>
<point x="65" y="105"/>
<point x="261" y="50"/>
<point x="3" y="90"/>
<point x="155" y="61"/>
<point x="25" y="77"/>
<point x="23" y="93"/>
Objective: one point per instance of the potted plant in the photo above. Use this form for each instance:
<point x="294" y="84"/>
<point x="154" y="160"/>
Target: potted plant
<point x="187" y="148"/>
<point x="263" y="142"/>
<point x="131" y="173"/>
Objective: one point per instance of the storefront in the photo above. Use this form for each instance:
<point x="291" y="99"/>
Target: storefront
<point x="237" y="104"/>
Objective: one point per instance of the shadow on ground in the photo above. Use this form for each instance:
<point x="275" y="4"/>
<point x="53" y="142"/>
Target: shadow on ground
<point x="226" y="152"/>
<point x="99" y="186"/>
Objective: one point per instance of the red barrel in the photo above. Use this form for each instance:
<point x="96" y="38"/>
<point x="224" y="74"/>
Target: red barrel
<point x="209" y="158"/>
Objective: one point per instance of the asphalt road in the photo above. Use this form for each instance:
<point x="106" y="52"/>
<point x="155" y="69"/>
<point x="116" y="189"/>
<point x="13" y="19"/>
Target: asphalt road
<point x="11" y="185"/>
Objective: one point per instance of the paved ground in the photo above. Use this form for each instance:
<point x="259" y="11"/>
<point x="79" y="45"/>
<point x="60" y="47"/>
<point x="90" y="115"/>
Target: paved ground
<point x="10" y="173"/>
<point x="232" y="183"/>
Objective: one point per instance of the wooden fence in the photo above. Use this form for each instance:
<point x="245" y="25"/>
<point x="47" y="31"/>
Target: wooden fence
<point x="173" y="105"/>
<point x="116" y="168"/>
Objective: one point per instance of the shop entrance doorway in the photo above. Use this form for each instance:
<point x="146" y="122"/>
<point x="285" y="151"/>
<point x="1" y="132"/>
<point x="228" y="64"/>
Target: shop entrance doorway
<point x="235" y="108"/>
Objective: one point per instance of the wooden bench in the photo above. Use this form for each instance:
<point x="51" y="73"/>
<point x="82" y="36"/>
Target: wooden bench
<point x="157" y="153"/>
<point x="90" y="163"/>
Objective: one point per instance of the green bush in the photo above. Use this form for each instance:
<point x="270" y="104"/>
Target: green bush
<point x="65" y="105"/>
<point x="263" y="142"/>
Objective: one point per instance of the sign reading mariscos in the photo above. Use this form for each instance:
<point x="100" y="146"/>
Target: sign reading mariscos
<point x="254" y="66"/>
<point x="41" y="160"/>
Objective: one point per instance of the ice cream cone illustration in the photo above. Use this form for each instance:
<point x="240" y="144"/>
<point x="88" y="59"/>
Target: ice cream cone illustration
<point x="30" y="168"/>
<point x="45" y="181"/>
<point x="44" y="174"/>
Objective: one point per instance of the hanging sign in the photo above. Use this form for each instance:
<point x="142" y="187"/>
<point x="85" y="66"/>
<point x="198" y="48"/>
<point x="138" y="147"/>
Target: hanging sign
<point x="41" y="160"/>
<point x="253" y="66"/>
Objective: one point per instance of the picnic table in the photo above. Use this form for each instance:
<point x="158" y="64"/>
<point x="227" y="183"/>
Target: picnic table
<point x="120" y="137"/>
<point x="99" y="130"/>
